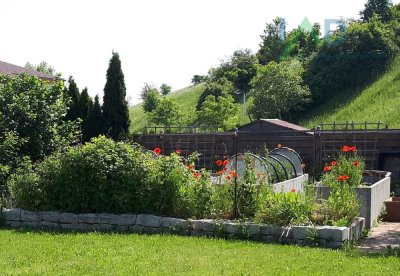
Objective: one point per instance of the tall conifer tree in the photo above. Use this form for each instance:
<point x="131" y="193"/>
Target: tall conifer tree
<point x="92" y="126"/>
<point x="74" y="105"/>
<point x="115" y="107"/>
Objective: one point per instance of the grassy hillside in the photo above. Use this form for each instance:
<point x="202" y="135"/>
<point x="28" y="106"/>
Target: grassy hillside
<point x="186" y="99"/>
<point x="380" y="101"/>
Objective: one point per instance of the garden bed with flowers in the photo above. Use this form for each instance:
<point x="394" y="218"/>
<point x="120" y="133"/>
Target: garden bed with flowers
<point x="371" y="187"/>
<point x="115" y="178"/>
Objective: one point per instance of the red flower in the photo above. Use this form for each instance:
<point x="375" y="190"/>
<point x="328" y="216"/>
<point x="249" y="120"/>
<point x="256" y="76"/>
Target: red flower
<point x="190" y="167"/>
<point x="293" y="190"/>
<point x="342" y="178"/>
<point x="353" y="149"/>
<point x="219" y="162"/>
<point x="157" y="151"/>
<point x="178" y="151"/>
<point x="333" y="163"/>
<point x="220" y="172"/>
<point x="225" y="169"/>
<point x="196" y="174"/>
<point x="226" y="162"/>
<point x="346" y="148"/>
<point x="228" y="177"/>
<point x="356" y="163"/>
<point x="327" y="168"/>
<point x="233" y="174"/>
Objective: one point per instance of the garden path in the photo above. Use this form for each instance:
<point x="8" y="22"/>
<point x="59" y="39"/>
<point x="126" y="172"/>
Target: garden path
<point x="384" y="235"/>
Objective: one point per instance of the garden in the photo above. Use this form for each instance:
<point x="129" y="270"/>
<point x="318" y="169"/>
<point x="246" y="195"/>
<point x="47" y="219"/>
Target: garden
<point x="97" y="185"/>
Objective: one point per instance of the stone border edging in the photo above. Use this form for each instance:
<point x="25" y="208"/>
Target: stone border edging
<point x="322" y="236"/>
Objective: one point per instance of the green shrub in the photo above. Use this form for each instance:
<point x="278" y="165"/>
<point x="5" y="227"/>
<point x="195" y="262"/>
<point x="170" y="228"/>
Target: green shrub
<point x="282" y="209"/>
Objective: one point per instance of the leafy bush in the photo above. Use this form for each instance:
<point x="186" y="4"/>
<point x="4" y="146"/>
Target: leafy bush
<point x="282" y="209"/>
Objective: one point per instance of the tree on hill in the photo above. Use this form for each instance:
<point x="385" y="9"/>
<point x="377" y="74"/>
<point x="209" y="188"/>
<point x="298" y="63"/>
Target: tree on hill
<point x="216" y="88"/>
<point x="218" y="112"/>
<point x="165" y="89"/>
<point x="147" y="88"/>
<point x="72" y="92"/>
<point x="379" y="7"/>
<point x="271" y="46"/>
<point x="166" y="113"/>
<point x="150" y="101"/>
<point x="278" y="89"/>
<point x="197" y="79"/>
<point x="115" y="107"/>
<point x="93" y="126"/>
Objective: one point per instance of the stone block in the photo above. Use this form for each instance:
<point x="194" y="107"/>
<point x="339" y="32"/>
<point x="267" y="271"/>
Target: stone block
<point x="68" y="226"/>
<point x="196" y="233"/>
<point x="321" y="242"/>
<point x="280" y="232"/>
<point x="300" y="242"/>
<point x="50" y="216"/>
<point x="14" y="224"/>
<point x="148" y="221"/>
<point x="268" y="239"/>
<point x="31" y="224"/>
<point x="231" y="227"/>
<point x="50" y="225"/>
<point x="122" y="228"/>
<point x="175" y="223"/>
<point x="265" y="230"/>
<point x="28" y="216"/>
<point x="197" y="225"/>
<point x="208" y="225"/>
<point x="106" y="218"/>
<point x="334" y="244"/>
<point x="337" y="234"/>
<point x="88" y="218"/>
<point x="68" y="218"/>
<point x="125" y="220"/>
<point x="253" y="229"/>
<point x="151" y="230"/>
<point x="12" y="214"/>
<point x="135" y="229"/>
<point x="301" y="232"/>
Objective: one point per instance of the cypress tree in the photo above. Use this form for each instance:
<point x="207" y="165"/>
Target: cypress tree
<point x="85" y="103"/>
<point x="115" y="107"/>
<point x="92" y="126"/>
<point x="74" y="105"/>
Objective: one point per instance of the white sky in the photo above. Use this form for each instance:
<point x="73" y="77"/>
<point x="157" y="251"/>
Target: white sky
<point x="159" y="41"/>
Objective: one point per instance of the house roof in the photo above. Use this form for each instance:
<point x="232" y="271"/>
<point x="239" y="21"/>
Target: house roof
<point x="11" y="69"/>
<point x="271" y="125"/>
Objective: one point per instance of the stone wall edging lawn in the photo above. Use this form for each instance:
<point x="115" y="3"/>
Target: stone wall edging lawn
<point x="322" y="236"/>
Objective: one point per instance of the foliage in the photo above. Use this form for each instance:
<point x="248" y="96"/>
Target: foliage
<point x="115" y="107"/>
<point x="216" y="88"/>
<point x="239" y="69"/>
<point x="278" y="86"/>
<point x="282" y="209"/>
<point x="74" y="111"/>
<point x="92" y="126"/>
<point x="150" y="101"/>
<point x="86" y="103"/>
<point x="381" y="8"/>
<point x="166" y="113"/>
<point x="272" y="45"/>
<point x="146" y="89"/>
<point x="198" y="79"/>
<point x="350" y="58"/>
<point x="165" y="89"/>
<point x="43" y="67"/>
<point x="220" y="112"/>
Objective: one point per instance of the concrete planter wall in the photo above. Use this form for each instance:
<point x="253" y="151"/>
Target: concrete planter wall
<point x="295" y="183"/>
<point x="372" y="197"/>
<point x="323" y="236"/>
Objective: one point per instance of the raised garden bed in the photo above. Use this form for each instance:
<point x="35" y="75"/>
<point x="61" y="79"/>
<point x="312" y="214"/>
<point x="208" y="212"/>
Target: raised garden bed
<point x="322" y="236"/>
<point x="372" y="194"/>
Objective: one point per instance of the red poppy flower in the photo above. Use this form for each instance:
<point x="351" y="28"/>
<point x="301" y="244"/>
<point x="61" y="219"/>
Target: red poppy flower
<point x="190" y="167"/>
<point x="353" y="149"/>
<point x="228" y="177"/>
<point x="178" y="151"/>
<point x="157" y="151"/>
<point x="293" y="190"/>
<point x="342" y="178"/>
<point x="219" y="162"/>
<point x="346" y="148"/>
<point x="196" y="174"/>
<point x="226" y="162"/>
<point x="356" y="163"/>
<point x="233" y="174"/>
<point x="220" y="172"/>
<point x="327" y="168"/>
<point x="225" y="169"/>
<point x="333" y="163"/>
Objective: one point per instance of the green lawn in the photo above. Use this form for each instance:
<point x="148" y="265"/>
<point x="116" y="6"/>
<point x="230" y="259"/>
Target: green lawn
<point x="378" y="102"/>
<point x="31" y="252"/>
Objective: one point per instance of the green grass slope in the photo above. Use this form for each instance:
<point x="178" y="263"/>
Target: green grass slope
<point x="380" y="101"/>
<point x="187" y="100"/>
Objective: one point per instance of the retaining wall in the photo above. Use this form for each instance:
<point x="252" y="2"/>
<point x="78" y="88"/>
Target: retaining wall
<point x="323" y="236"/>
<point x="371" y="197"/>
<point x="295" y="183"/>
